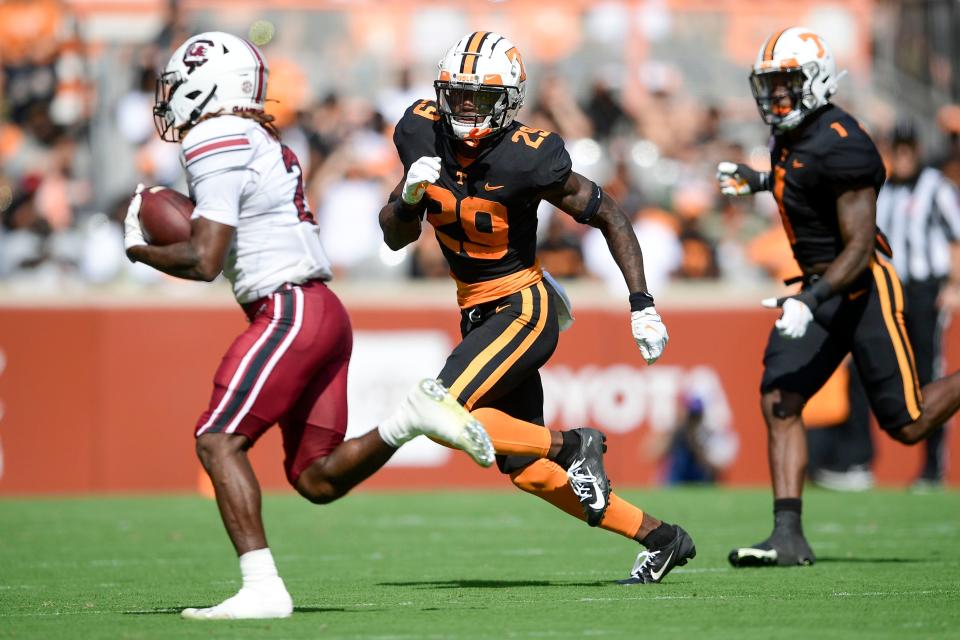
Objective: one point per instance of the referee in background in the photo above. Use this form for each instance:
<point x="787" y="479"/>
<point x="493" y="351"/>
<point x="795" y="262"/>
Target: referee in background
<point x="919" y="211"/>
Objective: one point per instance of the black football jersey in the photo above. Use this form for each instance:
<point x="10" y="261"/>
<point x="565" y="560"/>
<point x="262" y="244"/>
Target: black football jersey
<point x="827" y="155"/>
<point x="484" y="210"/>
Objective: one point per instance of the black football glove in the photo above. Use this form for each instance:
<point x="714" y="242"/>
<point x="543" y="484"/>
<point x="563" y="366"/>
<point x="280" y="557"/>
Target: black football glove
<point x="741" y="180"/>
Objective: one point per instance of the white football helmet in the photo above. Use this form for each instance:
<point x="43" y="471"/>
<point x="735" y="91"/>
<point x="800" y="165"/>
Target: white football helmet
<point x="481" y="86"/>
<point x="208" y="73"/>
<point x="794" y="63"/>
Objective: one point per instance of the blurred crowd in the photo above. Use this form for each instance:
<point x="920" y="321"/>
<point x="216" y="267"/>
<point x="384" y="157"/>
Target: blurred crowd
<point x="64" y="188"/>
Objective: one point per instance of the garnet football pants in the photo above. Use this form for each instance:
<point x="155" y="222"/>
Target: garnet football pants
<point x="288" y="367"/>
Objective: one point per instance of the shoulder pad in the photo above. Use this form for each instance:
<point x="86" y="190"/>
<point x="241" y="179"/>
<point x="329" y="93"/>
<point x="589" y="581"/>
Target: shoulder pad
<point x="845" y="132"/>
<point x="847" y="156"/>
<point x="218" y="144"/>
<point x="534" y="140"/>
<point x="421" y="115"/>
<point x="415" y="134"/>
<point x="540" y="154"/>
<point x="424" y="109"/>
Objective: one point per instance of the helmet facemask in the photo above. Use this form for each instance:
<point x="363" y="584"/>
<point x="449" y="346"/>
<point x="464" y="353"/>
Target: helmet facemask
<point x="771" y="88"/>
<point x="480" y="87"/>
<point x="163" y="118"/>
<point x="472" y="111"/>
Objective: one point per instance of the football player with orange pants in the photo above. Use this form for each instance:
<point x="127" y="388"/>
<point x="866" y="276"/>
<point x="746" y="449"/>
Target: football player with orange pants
<point x="477" y="176"/>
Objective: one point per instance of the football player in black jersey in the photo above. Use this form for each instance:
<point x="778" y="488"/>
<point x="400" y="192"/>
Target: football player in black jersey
<point x="477" y="175"/>
<point x="825" y="177"/>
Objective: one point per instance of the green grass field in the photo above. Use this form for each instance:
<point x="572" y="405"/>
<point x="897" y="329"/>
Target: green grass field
<point x="479" y="565"/>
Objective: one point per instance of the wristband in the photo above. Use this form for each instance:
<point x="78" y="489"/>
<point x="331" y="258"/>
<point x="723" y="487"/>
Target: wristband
<point x="640" y="301"/>
<point x="820" y="291"/>
<point x="764" y="181"/>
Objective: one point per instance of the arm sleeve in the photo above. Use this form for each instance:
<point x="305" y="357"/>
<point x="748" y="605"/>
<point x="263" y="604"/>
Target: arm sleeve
<point x="218" y="196"/>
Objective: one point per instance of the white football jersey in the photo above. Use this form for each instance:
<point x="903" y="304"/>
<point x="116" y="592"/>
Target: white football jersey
<point x="239" y="175"/>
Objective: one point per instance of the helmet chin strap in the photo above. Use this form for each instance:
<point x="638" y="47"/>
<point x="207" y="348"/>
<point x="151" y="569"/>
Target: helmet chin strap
<point x="476" y="133"/>
<point x="836" y="82"/>
<point x="198" y="111"/>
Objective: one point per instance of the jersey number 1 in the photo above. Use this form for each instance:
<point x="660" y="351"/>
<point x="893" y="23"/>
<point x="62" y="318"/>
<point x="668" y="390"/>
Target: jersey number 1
<point x="293" y="166"/>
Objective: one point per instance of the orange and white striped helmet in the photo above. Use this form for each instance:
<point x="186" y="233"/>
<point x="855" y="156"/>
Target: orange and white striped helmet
<point x="794" y="63"/>
<point x="480" y="86"/>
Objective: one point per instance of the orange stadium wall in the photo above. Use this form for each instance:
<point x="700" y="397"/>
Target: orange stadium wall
<point x="105" y="399"/>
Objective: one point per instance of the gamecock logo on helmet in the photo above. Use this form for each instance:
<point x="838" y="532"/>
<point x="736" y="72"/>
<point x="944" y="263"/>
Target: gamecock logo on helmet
<point x="196" y="54"/>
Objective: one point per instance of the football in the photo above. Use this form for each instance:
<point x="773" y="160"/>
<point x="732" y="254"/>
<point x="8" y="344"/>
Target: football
<point x="165" y="215"/>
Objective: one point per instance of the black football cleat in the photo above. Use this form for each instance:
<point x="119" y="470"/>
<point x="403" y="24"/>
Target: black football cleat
<point x="779" y="550"/>
<point x="588" y="478"/>
<point x="653" y="565"/>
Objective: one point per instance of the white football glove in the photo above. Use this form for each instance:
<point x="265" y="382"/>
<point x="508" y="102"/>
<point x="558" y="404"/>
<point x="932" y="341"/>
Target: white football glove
<point x="794" y="320"/>
<point x="424" y="171"/>
<point x="740" y="180"/>
<point x="132" y="231"/>
<point x="649" y="332"/>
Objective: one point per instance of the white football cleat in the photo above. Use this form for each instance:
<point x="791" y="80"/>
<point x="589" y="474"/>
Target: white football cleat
<point x="247" y="604"/>
<point x="434" y="412"/>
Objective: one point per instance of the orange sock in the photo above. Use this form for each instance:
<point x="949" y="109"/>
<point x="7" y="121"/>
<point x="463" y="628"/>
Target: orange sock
<point x="547" y="480"/>
<point x="621" y="517"/>
<point x="513" y="437"/>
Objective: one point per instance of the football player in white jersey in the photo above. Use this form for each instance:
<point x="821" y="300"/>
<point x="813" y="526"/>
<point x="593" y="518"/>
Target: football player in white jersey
<point x="252" y="223"/>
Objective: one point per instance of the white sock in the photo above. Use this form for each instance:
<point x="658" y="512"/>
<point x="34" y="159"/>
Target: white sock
<point x="397" y="430"/>
<point x="257" y="568"/>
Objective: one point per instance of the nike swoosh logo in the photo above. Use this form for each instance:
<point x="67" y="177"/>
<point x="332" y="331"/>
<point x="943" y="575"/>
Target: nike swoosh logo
<point x="489" y="187"/>
<point x="856" y="294"/>
<point x="600" y="501"/>
<point x="656" y="575"/>
<point x="501" y="308"/>
<point x="798" y="165"/>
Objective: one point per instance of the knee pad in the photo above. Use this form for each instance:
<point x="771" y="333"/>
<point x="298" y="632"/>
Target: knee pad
<point x="539" y="476"/>
<point x="790" y="405"/>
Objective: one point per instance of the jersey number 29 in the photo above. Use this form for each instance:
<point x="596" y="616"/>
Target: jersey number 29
<point x="484" y="223"/>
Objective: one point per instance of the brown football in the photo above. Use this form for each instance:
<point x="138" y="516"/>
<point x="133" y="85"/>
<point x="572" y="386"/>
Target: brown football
<point x="165" y="215"/>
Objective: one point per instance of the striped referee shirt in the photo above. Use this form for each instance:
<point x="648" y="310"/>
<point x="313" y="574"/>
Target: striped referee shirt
<point x="921" y="219"/>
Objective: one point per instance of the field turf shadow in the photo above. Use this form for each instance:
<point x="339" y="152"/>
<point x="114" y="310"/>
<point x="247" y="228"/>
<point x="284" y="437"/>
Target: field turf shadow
<point x="840" y="559"/>
<point x="491" y="584"/>
<point x="161" y="611"/>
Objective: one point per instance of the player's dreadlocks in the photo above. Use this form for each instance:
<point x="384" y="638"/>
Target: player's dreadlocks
<point x="262" y="118"/>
